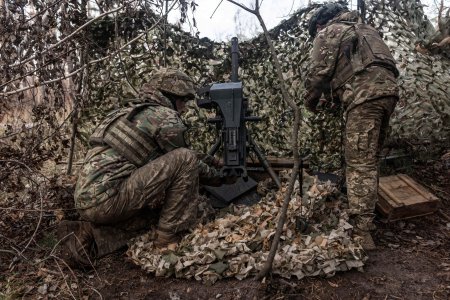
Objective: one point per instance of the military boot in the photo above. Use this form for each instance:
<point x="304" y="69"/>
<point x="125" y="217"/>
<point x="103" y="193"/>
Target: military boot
<point x="109" y="239"/>
<point x="77" y="243"/>
<point x="362" y="226"/>
<point x="84" y="242"/>
<point x="367" y="242"/>
<point x="166" y="239"/>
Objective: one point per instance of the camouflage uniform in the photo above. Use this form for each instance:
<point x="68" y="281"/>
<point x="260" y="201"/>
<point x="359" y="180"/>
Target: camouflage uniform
<point x="111" y="189"/>
<point x="368" y="96"/>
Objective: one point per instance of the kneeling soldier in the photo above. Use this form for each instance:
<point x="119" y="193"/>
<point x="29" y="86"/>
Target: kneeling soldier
<point x="138" y="161"/>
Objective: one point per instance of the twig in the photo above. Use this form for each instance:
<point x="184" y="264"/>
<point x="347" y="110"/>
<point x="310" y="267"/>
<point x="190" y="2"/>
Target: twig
<point x="122" y="64"/>
<point x="56" y="245"/>
<point x="42" y="11"/>
<point x="8" y="251"/>
<point x="243" y="6"/>
<point x="16" y="162"/>
<point x="18" y="252"/>
<point x="67" y="37"/>
<point x="35" y="230"/>
<point x="49" y="271"/>
<point x="37" y="210"/>
<point x="64" y="277"/>
<point x="84" y="250"/>
<point x="216" y="9"/>
<point x="87" y="64"/>
<point x="42" y="66"/>
<point x="73" y="93"/>
<point x="443" y="215"/>
<point x="26" y="166"/>
<point x="98" y="293"/>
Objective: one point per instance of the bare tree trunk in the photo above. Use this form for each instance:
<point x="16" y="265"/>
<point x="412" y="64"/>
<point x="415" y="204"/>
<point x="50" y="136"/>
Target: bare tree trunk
<point x="77" y="93"/>
<point x="295" y="148"/>
<point x="72" y="138"/>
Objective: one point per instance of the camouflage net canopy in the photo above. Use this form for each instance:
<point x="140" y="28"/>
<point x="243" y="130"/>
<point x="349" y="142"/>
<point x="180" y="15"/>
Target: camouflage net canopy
<point x="423" y="112"/>
<point x="237" y="244"/>
<point x="424" y="108"/>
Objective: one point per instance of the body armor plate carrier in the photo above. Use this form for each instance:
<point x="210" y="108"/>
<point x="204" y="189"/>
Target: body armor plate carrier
<point x="118" y="132"/>
<point x="360" y="51"/>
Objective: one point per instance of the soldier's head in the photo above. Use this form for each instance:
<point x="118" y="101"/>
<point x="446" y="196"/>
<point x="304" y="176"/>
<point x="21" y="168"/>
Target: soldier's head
<point x="324" y="14"/>
<point x="175" y="85"/>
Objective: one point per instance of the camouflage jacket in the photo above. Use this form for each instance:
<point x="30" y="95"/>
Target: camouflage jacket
<point x="104" y="169"/>
<point x="371" y="83"/>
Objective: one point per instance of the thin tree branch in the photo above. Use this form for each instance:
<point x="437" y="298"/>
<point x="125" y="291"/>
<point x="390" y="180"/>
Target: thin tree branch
<point x="91" y="62"/>
<point x="295" y="147"/>
<point x="67" y="37"/>
<point x="287" y="198"/>
<point x="122" y="64"/>
<point x="216" y="9"/>
<point x="64" y="277"/>
<point x="65" y="54"/>
<point x="42" y="11"/>
<point x="242" y="6"/>
<point x="38" y="210"/>
<point x="34" y="233"/>
<point x="86" y="65"/>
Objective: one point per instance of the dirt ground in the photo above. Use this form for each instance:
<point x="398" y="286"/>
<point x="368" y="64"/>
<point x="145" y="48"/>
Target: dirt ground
<point x="412" y="261"/>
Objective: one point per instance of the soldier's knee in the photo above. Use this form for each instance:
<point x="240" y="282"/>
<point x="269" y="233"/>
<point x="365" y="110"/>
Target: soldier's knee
<point x="186" y="155"/>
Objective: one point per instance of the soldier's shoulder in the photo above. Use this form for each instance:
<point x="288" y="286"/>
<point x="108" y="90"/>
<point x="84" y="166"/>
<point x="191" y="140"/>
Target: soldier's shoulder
<point x="159" y="115"/>
<point x="334" y="30"/>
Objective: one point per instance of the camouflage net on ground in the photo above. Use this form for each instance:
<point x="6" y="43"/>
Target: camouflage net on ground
<point x="237" y="244"/>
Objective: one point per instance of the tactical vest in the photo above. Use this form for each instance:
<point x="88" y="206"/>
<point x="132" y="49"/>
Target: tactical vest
<point x="358" y="52"/>
<point x="118" y="132"/>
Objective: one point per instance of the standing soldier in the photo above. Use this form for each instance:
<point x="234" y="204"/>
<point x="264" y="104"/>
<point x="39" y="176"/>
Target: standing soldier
<point x="351" y="63"/>
<point x="138" y="161"/>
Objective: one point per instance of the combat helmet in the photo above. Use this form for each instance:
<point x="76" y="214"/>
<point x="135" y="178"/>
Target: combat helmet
<point x="172" y="81"/>
<point x="323" y="15"/>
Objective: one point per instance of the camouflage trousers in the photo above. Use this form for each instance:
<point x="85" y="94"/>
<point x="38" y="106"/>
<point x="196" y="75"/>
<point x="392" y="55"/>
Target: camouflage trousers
<point x="169" y="182"/>
<point x="365" y="132"/>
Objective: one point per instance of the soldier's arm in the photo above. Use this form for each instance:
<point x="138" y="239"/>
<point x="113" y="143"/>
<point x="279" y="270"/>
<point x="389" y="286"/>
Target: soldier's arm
<point x="171" y="135"/>
<point x="323" y="61"/>
<point x="208" y="174"/>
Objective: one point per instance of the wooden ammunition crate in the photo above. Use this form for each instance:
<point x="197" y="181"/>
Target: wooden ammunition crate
<point x="400" y="197"/>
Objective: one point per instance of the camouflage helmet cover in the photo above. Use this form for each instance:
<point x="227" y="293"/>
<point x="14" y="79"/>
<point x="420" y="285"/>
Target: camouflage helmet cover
<point x="323" y="15"/>
<point x="172" y="81"/>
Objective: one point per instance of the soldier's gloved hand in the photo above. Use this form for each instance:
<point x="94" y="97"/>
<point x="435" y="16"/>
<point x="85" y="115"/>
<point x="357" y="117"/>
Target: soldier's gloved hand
<point x="230" y="179"/>
<point x="312" y="98"/>
<point x="210" y="160"/>
<point x="216" y="162"/>
<point x="219" y="181"/>
<point x="211" y="181"/>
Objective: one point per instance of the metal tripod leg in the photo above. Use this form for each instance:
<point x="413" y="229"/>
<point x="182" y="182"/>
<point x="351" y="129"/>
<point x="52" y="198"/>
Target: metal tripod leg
<point x="264" y="161"/>
<point x="214" y="148"/>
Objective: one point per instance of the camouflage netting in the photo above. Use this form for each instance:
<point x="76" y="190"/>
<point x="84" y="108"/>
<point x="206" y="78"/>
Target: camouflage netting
<point x="424" y="108"/>
<point x="423" y="112"/>
<point x="237" y="244"/>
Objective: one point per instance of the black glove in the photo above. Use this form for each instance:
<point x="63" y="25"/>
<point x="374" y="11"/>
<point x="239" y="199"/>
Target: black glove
<point x="230" y="179"/>
<point x="210" y="160"/>
<point x="219" y="181"/>
<point x="211" y="181"/>
<point x="312" y="99"/>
